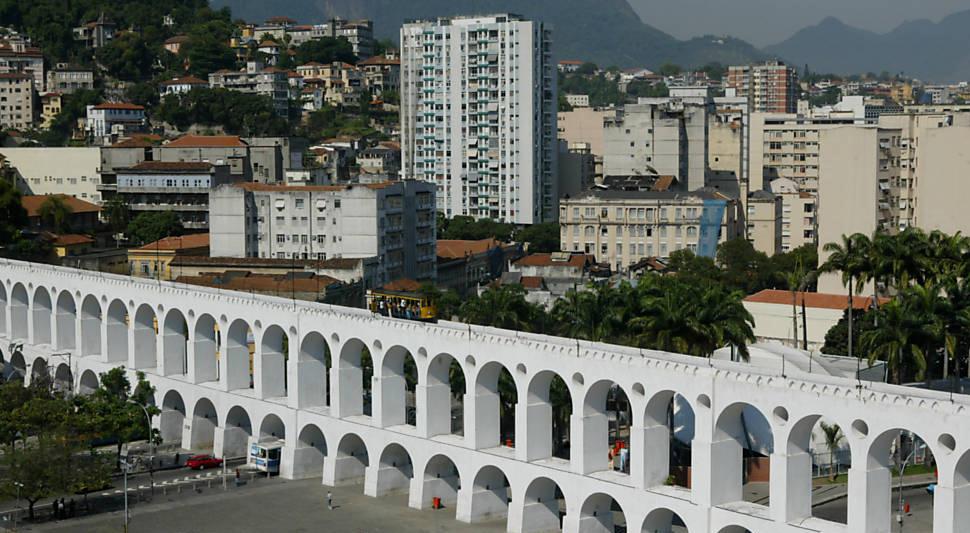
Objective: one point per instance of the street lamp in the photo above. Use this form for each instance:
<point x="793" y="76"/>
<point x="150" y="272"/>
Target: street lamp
<point x="902" y="468"/>
<point x="124" y="465"/>
<point x="16" y="514"/>
<point x="151" y="444"/>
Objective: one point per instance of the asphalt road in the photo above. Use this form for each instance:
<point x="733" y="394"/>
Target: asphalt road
<point x="920" y="519"/>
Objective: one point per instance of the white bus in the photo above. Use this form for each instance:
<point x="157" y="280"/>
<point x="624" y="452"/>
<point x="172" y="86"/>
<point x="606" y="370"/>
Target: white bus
<point x="266" y="456"/>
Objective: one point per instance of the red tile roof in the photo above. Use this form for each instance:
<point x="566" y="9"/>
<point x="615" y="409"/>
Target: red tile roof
<point x="206" y="141"/>
<point x="177" y="39"/>
<point x="32" y="204"/>
<point x="532" y="282"/>
<point x="120" y="106"/>
<point x="379" y="60"/>
<point x="185" y="242"/>
<point x="72" y="239"/>
<point x="184" y="80"/>
<point x="814" y="300"/>
<point x="456" y="249"/>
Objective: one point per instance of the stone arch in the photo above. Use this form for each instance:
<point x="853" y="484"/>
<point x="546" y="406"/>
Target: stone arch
<point x="311" y="449"/>
<point x="66" y="321"/>
<point x="660" y="432"/>
<point x="39" y="373"/>
<point x="272" y="428"/>
<point x="744" y="441"/>
<point x="172" y="417"/>
<point x="496" y="397"/>
<point x="63" y="378"/>
<point x="801" y="454"/>
<point x="543" y="506"/>
<point x="146" y="338"/>
<point x="238" y="369"/>
<point x="117" y="329"/>
<point x="398" y="379"/>
<point x="175" y="344"/>
<point x="313" y="371"/>
<point x="961" y="490"/>
<point x="604" y="397"/>
<point x="88" y="384"/>
<point x="207" y="347"/>
<point x="18" y="366"/>
<point x="90" y="326"/>
<point x="350" y="463"/>
<point x="662" y="520"/>
<point x="600" y="513"/>
<point x="19" y="312"/>
<point x="351" y="396"/>
<point x="205" y="420"/>
<point x="490" y="495"/>
<point x="41" y="315"/>
<point x="273" y="359"/>
<point x="444" y="396"/>
<point x="395" y="470"/>
<point x="441" y="479"/>
<point x="903" y="445"/>
<point x="549" y="407"/>
<point x="238" y="431"/>
<point x="734" y="529"/>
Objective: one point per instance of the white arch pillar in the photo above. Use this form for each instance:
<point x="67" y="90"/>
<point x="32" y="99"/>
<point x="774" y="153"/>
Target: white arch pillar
<point x="432" y="397"/>
<point x="790" y="474"/>
<point x="291" y="369"/>
<point x="870" y="510"/>
<point x="949" y="512"/>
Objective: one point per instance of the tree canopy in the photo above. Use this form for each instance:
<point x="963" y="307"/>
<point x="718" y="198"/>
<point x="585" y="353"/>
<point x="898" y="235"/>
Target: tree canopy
<point x="152" y="226"/>
<point x="236" y="112"/>
<point x="325" y="50"/>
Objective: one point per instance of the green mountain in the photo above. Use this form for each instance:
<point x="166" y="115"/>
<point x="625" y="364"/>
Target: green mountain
<point x="607" y="32"/>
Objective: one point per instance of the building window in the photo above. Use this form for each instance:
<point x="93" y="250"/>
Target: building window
<point x="280" y="238"/>
<point x="300" y="202"/>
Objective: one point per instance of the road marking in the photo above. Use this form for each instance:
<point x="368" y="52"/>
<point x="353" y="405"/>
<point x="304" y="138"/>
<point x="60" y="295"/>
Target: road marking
<point x="117" y="492"/>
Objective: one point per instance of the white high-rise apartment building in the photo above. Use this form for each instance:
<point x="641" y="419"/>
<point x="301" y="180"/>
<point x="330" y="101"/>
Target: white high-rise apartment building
<point x="478" y="115"/>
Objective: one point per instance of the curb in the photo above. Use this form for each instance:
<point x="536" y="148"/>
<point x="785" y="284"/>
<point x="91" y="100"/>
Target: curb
<point x="909" y="485"/>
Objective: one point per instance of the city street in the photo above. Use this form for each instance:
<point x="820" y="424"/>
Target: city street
<point x="920" y="519"/>
<point x="275" y="505"/>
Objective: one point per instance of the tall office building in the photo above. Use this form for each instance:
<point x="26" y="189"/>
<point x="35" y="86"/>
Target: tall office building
<point x="771" y="87"/>
<point x="478" y="115"/>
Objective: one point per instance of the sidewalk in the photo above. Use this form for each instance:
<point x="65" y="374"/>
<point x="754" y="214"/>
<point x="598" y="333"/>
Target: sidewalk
<point x="827" y="493"/>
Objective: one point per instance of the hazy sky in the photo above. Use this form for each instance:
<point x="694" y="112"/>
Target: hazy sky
<point x="764" y="22"/>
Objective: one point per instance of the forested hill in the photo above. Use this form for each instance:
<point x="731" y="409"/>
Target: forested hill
<point x="607" y="32"/>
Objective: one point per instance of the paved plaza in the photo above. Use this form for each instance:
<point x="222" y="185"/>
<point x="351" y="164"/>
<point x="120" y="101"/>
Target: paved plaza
<point x="276" y="505"/>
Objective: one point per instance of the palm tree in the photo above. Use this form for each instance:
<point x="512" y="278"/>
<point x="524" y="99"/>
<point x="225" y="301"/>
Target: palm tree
<point x="797" y="280"/>
<point x="726" y="321"/>
<point x="898" y="340"/>
<point x="852" y="259"/>
<point x="501" y="307"/>
<point x="56" y="214"/>
<point x="594" y="314"/>
<point x="928" y="303"/>
<point x="668" y="322"/>
<point x="833" y="440"/>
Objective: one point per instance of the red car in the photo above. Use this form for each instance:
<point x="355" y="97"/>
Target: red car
<point x="201" y="462"/>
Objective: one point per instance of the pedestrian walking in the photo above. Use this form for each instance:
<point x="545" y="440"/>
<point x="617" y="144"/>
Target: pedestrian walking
<point x="71" y="508"/>
<point x="329" y="500"/>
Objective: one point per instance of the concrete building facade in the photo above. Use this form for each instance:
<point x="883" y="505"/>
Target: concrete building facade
<point x="623" y="227"/>
<point x="478" y="115"/>
<point x="771" y="87"/>
<point x="666" y="136"/>
<point x="54" y="170"/>
<point x="764" y="221"/>
<point x="212" y="398"/>
<point x="16" y="101"/>
<point x="393" y="221"/>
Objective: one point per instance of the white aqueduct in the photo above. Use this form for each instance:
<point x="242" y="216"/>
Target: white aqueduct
<point x="174" y="333"/>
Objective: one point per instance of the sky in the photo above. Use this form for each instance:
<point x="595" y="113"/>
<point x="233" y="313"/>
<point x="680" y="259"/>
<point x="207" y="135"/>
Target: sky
<point x="764" y="22"/>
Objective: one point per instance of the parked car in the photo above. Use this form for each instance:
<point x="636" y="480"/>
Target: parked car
<point x="201" y="462"/>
